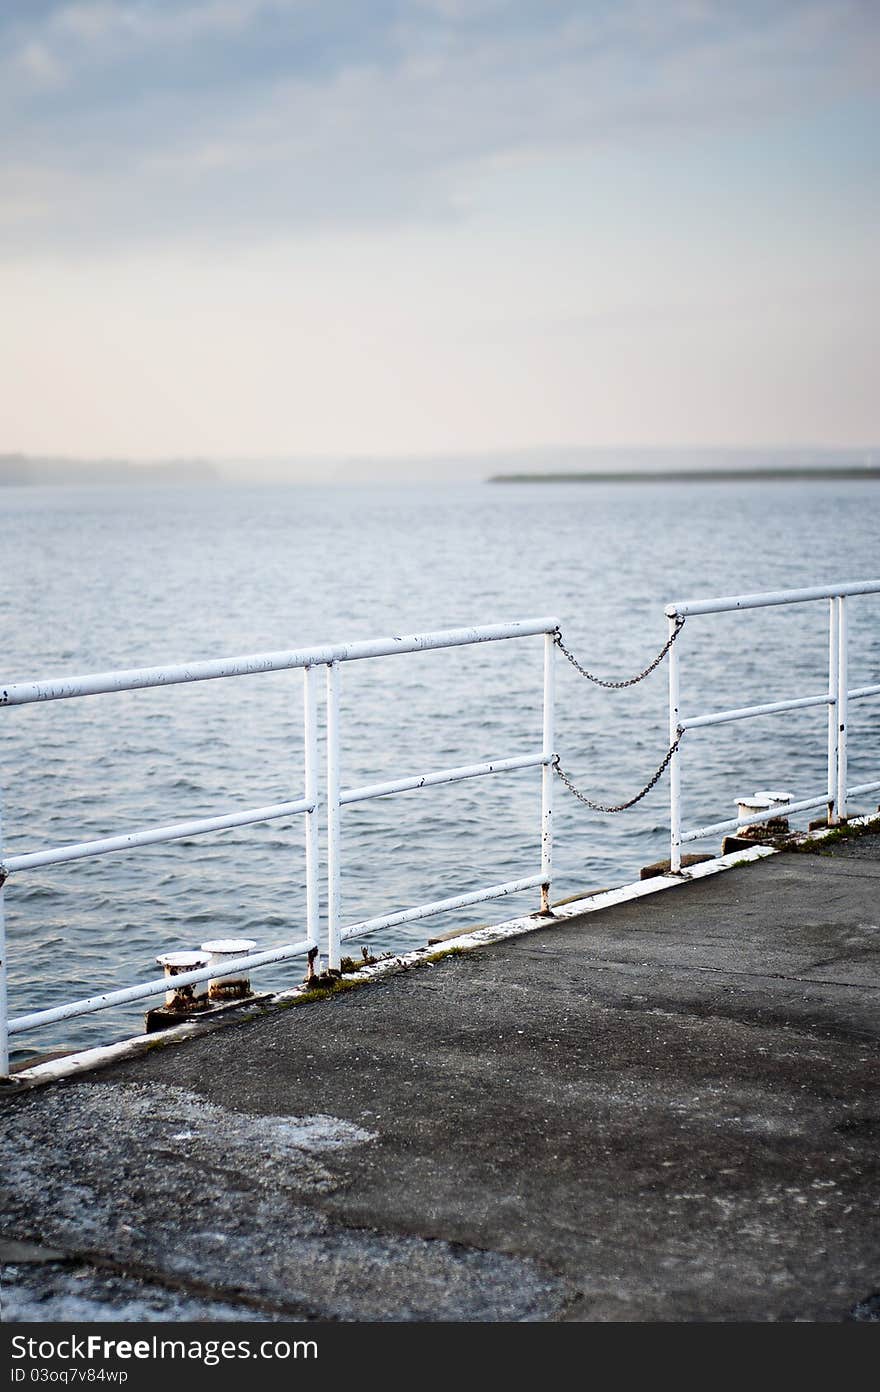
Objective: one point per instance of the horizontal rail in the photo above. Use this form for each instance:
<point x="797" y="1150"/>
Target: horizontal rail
<point x="178" y="831"/>
<point x="99" y="683"/>
<point x="158" y="986"/>
<point x="782" y="810"/>
<point x="431" y="780"/>
<point x="685" y="607"/>
<point x="863" y="788"/>
<point x="696" y="722"/>
<point x="461" y="901"/>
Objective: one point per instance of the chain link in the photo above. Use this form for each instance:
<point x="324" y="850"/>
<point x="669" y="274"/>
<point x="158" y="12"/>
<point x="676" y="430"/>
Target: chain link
<point x="622" y="806"/>
<point x="631" y="681"/>
<point x="617" y="686"/>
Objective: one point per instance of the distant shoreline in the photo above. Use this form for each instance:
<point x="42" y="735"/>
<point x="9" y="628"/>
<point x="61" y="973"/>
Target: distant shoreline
<point x="18" y="471"/>
<point x="774" y="475"/>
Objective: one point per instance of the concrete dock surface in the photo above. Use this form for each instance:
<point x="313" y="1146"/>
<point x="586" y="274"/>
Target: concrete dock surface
<point x="666" y="1110"/>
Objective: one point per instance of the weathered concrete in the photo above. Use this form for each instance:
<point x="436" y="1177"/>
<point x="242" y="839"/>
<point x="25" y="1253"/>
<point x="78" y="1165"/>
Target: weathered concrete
<point x="666" y="1110"/>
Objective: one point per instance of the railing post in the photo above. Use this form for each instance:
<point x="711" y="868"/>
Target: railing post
<point x="310" y="741"/>
<point x="842" y="705"/>
<point x="4" y="1008"/>
<point x="674" y="767"/>
<point x="833" y="664"/>
<point x="548" y="751"/>
<point x="333" y="853"/>
<point x="4" y="1005"/>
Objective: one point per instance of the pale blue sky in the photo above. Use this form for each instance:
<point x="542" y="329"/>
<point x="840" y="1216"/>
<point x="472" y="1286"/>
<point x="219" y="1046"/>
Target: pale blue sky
<point x="292" y="227"/>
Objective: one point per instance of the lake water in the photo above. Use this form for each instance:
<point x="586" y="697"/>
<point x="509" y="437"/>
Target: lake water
<point x="102" y="578"/>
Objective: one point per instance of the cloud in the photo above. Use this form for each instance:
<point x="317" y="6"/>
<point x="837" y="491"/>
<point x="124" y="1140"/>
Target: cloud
<point x="124" y="120"/>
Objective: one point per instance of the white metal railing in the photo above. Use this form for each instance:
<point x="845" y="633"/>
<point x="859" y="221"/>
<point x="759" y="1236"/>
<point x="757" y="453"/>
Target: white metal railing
<point x="836" y="698"/>
<point x="336" y="797"/>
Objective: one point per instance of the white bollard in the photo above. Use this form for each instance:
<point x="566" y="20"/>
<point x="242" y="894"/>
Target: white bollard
<point x="765" y="800"/>
<point x="175" y="963"/>
<point x="221" y="950"/>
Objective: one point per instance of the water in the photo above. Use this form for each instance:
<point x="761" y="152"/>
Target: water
<point x="102" y="578"/>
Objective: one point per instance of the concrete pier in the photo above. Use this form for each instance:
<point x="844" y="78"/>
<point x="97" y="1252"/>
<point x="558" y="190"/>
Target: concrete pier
<point x="664" y="1110"/>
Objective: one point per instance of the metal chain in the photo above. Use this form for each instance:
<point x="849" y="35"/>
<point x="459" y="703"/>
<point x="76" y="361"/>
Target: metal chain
<point x="622" y="806"/>
<point x="631" y="681"/>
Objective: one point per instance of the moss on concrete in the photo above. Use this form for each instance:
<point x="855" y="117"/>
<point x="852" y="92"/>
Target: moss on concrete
<point x="440" y="956"/>
<point x="825" y="843"/>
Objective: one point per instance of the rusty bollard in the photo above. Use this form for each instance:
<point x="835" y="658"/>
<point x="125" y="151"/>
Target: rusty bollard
<point x="764" y="800"/>
<point x="237" y="986"/>
<point x="175" y="964"/>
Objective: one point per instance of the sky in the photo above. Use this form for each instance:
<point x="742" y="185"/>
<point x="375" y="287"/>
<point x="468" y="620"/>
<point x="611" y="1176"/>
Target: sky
<point x="243" y="229"/>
